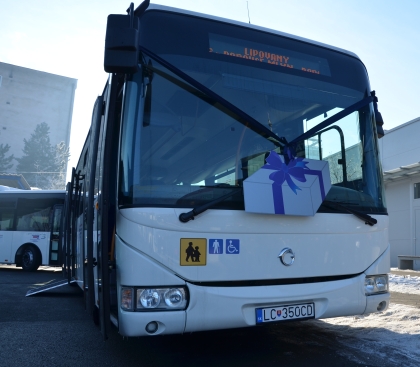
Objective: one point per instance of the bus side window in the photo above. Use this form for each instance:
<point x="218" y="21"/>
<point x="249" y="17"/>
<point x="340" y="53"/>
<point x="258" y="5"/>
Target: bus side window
<point x="33" y="215"/>
<point x="6" y="220"/>
<point x="7" y="210"/>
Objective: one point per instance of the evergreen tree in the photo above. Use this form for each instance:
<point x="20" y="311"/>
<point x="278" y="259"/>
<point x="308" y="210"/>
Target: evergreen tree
<point x="38" y="163"/>
<point x="62" y="154"/>
<point x="5" y="162"/>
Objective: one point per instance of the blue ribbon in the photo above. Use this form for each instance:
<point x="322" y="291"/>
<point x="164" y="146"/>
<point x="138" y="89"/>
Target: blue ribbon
<point x="295" y="168"/>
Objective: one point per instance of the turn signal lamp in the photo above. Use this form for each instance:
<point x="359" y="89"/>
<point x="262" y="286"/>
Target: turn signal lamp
<point x="127" y="299"/>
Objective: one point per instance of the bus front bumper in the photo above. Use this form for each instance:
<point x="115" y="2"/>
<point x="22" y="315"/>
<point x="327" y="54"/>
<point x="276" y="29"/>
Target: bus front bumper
<point x="212" y="308"/>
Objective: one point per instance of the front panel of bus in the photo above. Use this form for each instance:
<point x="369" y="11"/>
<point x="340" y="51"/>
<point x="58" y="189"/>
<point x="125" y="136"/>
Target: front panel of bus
<point x="180" y="149"/>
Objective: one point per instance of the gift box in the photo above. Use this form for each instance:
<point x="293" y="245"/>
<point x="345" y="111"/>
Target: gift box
<point x="296" y="188"/>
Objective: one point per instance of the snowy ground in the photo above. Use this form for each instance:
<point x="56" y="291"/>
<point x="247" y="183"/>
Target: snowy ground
<point x="404" y="284"/>
<point x="393" y="335"/>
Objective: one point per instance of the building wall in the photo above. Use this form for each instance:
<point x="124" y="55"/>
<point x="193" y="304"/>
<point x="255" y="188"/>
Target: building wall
<point x="400" y="147"/>
<point x="400" y="225"/>
<point x="29" y="97"/>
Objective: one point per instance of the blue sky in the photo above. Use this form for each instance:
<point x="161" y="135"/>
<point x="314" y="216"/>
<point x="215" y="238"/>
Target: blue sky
<point x="66" y="37"/>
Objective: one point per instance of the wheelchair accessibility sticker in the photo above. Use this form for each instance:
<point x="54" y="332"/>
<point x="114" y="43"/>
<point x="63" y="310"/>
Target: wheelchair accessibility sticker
<point x="232" y="247"/>
<point x="193" y="252"/>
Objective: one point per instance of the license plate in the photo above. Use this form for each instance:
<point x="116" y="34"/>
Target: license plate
<point x="283" y="313"/>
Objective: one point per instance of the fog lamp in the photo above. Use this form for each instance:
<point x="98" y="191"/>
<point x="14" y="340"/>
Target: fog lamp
<point x="152" y="327"/>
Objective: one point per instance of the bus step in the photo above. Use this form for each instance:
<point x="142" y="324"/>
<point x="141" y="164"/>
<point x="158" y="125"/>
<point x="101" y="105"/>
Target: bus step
<point x="48" y="286"/>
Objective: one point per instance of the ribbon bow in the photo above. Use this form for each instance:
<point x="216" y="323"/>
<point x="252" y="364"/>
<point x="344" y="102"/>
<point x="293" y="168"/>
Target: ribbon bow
<point x="284" y="172"/>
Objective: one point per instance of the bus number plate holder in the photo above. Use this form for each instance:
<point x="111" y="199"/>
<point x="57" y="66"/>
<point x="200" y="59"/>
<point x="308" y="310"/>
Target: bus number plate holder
<point x="284" y="313"/>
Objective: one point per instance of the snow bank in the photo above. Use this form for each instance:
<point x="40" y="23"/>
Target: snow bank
<point x="404" y="284"/>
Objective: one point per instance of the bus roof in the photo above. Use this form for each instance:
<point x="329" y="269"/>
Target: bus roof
<point x="31" y="192"/>
<point x="247" y="25"/>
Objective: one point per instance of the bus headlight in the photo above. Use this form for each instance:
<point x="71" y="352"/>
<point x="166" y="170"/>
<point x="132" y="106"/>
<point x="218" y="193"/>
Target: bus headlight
<point x="376" y="284"/>
<point x="174" y="297"/>
<point x="161" y="299"/>
<point x="153" y="299"/>
<point x="149" y="298"/>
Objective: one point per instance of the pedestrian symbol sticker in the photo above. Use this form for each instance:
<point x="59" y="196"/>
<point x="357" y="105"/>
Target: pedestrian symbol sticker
<point x="215" y="246"/>
<point x="193" y="251"/>
<point x="232" y="247"/>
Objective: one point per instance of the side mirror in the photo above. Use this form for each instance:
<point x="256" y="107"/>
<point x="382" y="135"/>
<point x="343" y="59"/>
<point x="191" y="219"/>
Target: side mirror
<point x="379" y="123"/>
<point x="121" y="44"/>
<point x="378" y="117"/>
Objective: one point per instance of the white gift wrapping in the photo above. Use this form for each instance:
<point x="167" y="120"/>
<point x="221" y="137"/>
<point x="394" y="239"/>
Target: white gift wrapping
<point x="297" y="188"/>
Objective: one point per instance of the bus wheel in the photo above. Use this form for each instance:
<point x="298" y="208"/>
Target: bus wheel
<point x="30" y="259"/>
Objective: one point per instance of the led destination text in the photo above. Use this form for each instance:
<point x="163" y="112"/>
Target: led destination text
<point x="275" y="56"/>
<point x="268" y="57"/>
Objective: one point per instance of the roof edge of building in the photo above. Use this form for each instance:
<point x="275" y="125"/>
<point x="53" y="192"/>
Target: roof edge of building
<point x="74" y="80"/>
<point x="417" y="119"/>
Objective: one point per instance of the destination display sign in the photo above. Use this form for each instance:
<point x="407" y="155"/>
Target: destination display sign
<point x="259" y="52"/>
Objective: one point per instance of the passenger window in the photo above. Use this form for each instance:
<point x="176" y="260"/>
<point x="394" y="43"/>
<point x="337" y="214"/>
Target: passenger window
<point x="339" y="145"/>
<point x="417" y="190"/>
<point x="7" y="213"/>
<point x="33" y="215"/>
<point x="6" y="220"/>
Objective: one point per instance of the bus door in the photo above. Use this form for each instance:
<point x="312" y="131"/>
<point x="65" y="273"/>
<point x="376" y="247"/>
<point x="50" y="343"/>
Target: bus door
<point x="72" y="207"/>
<point x="55" y="226"/>
<point x="7" y="214"/>
<point x="67" y="229"/>
<point x="92" y="197"/>
<point x="105" y="279"/>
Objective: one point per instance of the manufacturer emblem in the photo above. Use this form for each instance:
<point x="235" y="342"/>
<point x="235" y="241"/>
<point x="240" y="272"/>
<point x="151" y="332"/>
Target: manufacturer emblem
<point x="287" y="256"/>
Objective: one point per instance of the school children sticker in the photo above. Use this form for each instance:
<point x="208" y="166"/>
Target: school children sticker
<point x="194" y="252"/>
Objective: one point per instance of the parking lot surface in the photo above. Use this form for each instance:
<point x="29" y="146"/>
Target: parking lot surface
<point x="53" y="329"/>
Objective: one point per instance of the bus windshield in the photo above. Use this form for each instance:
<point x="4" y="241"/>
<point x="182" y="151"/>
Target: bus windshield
<point x="181" y="148"/>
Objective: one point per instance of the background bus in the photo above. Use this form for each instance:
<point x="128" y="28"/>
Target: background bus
<point x="196" y="105"/>
<point x="30" y="227"/>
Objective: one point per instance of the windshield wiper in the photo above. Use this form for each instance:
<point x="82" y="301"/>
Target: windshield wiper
<point x="186" y="217"/>
<point x="243" y="117"/>
<point x="365" y="217"/>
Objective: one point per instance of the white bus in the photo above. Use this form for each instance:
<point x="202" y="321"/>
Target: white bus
<point x="157" y="230"/>
<point x="30" y="227"/>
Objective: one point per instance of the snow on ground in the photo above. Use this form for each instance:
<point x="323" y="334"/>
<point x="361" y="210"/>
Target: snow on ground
<point x="393" y="335"/>
<point x="404" y="283"/>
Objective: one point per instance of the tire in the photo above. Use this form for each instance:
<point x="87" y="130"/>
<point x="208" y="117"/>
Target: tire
<point x="30" y="258"/>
